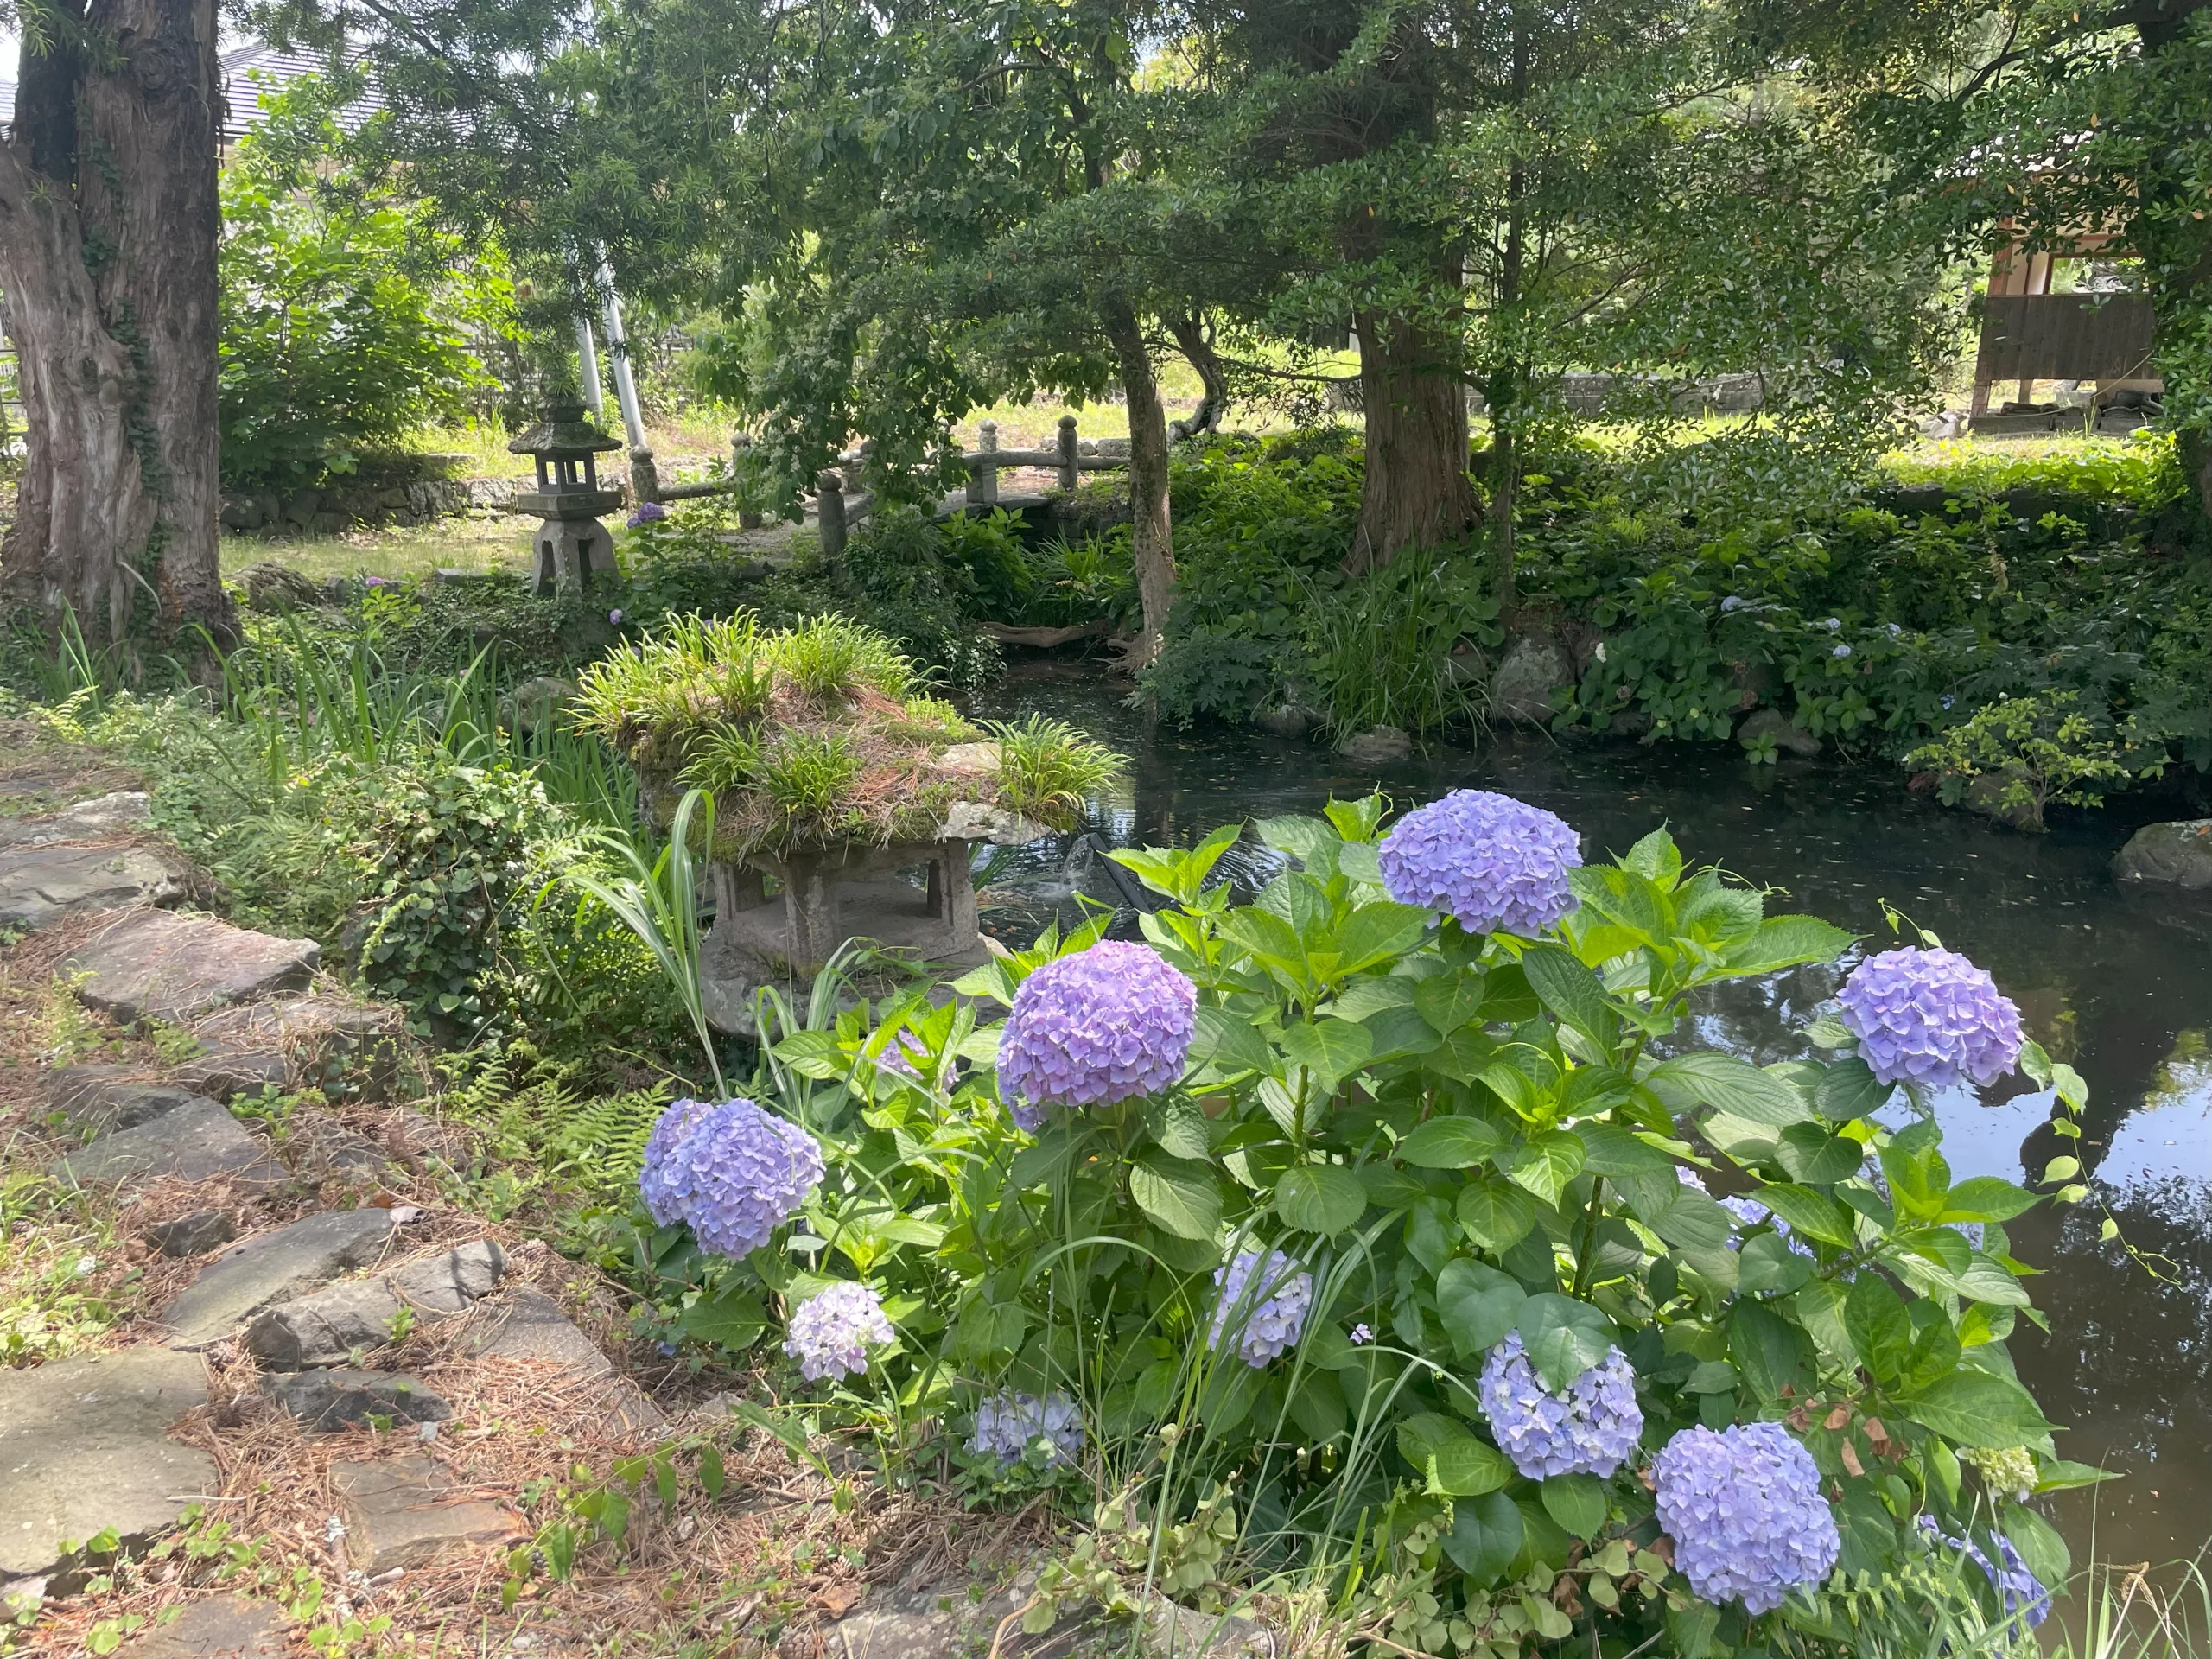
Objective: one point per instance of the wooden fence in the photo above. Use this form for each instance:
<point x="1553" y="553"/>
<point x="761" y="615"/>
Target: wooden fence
<point x="842" y="501"/>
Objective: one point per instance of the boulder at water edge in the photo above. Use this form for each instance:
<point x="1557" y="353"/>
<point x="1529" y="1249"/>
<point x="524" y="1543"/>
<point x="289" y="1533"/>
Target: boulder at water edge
<point x="2170" y="854"/>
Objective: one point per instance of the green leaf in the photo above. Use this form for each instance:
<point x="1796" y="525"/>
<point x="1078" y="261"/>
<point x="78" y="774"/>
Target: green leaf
<point x="1978" y="1408"/>
<point x="1782" y="941"/>
<point x="1608" y="1149"/>
<point x="733" y="1321"/>
<point x="1379" y="932"/>
<point x="1814" y="1214"/>
<point x="1767" y="1265"/>
<point x="1571" y="991"/>
<point x="1576" y="1501"/>
<point x="1712" y="1377"/>
<point x="2039" y="1543"/>
<point x="1880" y="1331"/>
<point x="1656" y="858"/>
<point x="1563" y="1338"/>
<point x="1331" y="1049"/>
<point x="1771" y="1353"/>
<point x="1457" y="1463"/>
<point x="1447" y="1001"/>
<point x="1450" y="1143"/>
<point x="1180" y="1197"/>
<point x="1986" y="1197"/>
<point x="1494" y="1215"/>
<point x="1229" y="1043"/>
<point x="1477" y="1304"/>
<point x="1850" y="1090"/>
<point x="1545" y="1163"/>
<point x="1727" y="1084"/>
<point x="1485" y="1536"/>
<point x="2061" y="1475"/>
<point x="1817" y="1158"/>
<point x="1179" y="1126"/>
<point x="1321" y="1198"/>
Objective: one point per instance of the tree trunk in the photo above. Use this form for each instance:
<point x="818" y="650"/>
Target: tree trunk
<point x="1416" y="492"/>
<point x="108" y="227"/>
<point x="1195" y="340"/>
<point x="1152" y="541"/>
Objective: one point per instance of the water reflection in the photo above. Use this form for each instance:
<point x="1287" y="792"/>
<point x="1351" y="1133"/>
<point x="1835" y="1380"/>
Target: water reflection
<point x="2119" y="983"/>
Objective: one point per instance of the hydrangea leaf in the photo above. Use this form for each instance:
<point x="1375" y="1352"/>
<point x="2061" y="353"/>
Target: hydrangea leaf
<point x="1576" y="1501"/>
<point x="1485" y="1536"/>
<point x="1180" y="1196"/>
<point x="2039" y="1543"/>
<point x="1378" y="932"/>
<point x="1771" y="1353"/>
<point x="1229" y="1043"/>
<point x="1457" y="1463"/>
<point x="1496" y="1214"/>
<point x="1477" y="1304"/>
<point x="1782" y="941"/>
<point x="1179" y="1127"/>
<point x="1571" y="992"/>
<point x="1608" y="1149"/>
<point x="1851" y="1090"/>
<point x="733" y="1321"/>
<point x="1986" y="1197"/>
<point x="1818" y="1157"/>
<point x="1768" y="1265"/>
<point x="1450" y="1142"/>
<point x="1331" y="1049"/>
<point x="1450" y="1001"/>
<point x="1545" y="1163"/>
<point x="1980" y="1408"/>
<point x="1880" y="1331"/>
<point x="1727" y="1084"/>
<point x="1814" y="1214"/>
<point x="1321" y="1198"/>
<point x="1563" y="1338"/>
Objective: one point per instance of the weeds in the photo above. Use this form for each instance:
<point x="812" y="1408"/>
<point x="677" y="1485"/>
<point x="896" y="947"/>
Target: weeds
<point x="1048" y="771"/>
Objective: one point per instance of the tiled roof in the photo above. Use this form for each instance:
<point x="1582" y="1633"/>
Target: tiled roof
<point x="247" y="72"/>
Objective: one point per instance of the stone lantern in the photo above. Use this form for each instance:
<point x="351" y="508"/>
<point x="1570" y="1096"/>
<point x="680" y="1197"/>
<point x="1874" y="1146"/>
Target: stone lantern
<point x="571" y="546"/>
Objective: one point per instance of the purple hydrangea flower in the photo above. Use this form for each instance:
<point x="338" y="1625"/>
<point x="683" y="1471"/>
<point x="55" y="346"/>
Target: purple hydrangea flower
<point x="1840" y="651"/>
<point x="831" y="1332"/>
<point x="1361" y="1334"/>
<point x="1751" y="1212"/>
<point x="733" y="1173"/>
<point x="648" y="512"/>
<point x="615" y="617"/>
<point x="1733" y="602"/>
<point x="1094" y="1027"/>
<point x="1745" y="1509"/>
<point x="1007" y="1424"/>
<point x="1267" y="1317"/>
<point x="1494" y="862"/>
<point x="1833" y="624"/>
<point x="1930" y="1019"/>
<point x="379" y="582"/>
<point x="1690" y="1177"/>
<point x="2019" y="1590"/>
<point x="898" y="1057"/>
<point x="1589" y="1427"/>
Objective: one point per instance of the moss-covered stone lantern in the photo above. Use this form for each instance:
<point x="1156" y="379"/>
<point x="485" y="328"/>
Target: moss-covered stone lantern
<point x="571" y="545"/>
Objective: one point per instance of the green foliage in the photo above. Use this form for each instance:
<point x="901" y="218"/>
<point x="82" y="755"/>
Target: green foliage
<point x="808" y="777"/>
<point x="1048" y="771"/>
<point x="343" y="310"/>
<point x="1457" y="1137"/>
<point x="1378" y="652"/>
<point x="2017" y="755"/>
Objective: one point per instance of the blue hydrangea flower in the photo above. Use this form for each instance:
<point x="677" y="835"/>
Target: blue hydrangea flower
<point x="2019" y="1590"/>
<point x="1495" y="863"/>
<point x="647" y="513"/>
<point x="1266" y="1317"/>
<point x="1589" y="1427"/>
<point x="1840" y="651"/>
<point x="1007" y="1423"/>
<point x="1094" y="1027"/>
<point x="1745" y="1509"/>
<point x="1930" y="1019"/>
<point x="1751" y="1213"/>
<point x="732" y="1173"/>
<point x="831" y="1332"/>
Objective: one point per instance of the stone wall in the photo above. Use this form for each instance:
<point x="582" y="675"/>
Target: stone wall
<point x="392" y="490"/>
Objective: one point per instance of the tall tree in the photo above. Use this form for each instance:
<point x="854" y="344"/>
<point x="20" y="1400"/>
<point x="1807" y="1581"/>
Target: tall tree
<point x="108" y="229"/>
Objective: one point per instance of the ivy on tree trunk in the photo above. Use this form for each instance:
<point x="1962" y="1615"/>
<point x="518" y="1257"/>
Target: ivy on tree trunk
<point x="108" y="231"/>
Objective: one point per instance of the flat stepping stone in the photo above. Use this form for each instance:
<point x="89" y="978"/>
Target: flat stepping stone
<point x="152" y="965"/>
<point x="400" y="1512"/>
<point x="326" y="1401"/>
<point x="274" y="1268"/>
<point x="187" y="1235"/>
<point x="224" y="1074"/>
<point x="220" y="1627"/>
<point x="313" y="1040"/>
<point x="39" y="886"/>
<point x="524" y="1323"/>
<point x="104" y="1098"/>
<point x="85" y="1446"/>
<point x="103" y="815"/>
<point x="330" y="1326"/>
<point x="196" y="1142"/>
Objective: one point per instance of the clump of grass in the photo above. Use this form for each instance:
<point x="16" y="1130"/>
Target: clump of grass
<point x="810" y="777"/>
<point x="1047" y="769"/>
<point x="831" y="657"/>
<point x="725" y="760"/>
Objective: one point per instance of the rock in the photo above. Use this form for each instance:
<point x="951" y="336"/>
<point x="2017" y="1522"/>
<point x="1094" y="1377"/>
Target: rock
<point x="273" y="1268"/>
<point x="104" y="1098"/>
<point x="948" y="1622"/>
<point x="1468" y="665"/>
<point x="327" y="1401"/>
<point x="219" y="1627"/>
<point x="224" y="1074"/>
<point x="399" y="1512"/>
<point x="1521" y="689"/>
<point x="1378" y="746"/>
<point x="152" y="965"/>
<point x="1985" y="793"/>
<point x="980" y="759"/>
<point x="274" y="588"/>
<point x="40" y="885"/>
<point x="102" y="816"/>
<point x="84" y="1445"/>
<point x="524" y="1323"/>
<point x="979" y="821"/>
<point x="537" y="704"/>
<point x="1630" y="722"/>
<point x="1785" y="733"/>
<point x="326" y="1148"/>
<point x="339" y="1044"/>
<point x="331" y="1325"/>
<point x="1287" y="719"/>
<point x="2170" y="854"/>
<point x="195" y="1234"/>
<point x="196" y="1142"/>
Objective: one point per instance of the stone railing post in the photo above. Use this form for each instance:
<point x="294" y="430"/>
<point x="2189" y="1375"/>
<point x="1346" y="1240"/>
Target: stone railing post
<point x="645" y="476"/>
<point x="740" y="453"/>
<point x="987" y="469"/>
<point x="1070" y="468"/>
<point x="830" y="507"/>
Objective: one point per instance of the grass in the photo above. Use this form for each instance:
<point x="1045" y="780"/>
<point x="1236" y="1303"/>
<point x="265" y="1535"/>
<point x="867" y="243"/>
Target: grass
<point x="1049" y="770"/>
<point x="493" y="542"/>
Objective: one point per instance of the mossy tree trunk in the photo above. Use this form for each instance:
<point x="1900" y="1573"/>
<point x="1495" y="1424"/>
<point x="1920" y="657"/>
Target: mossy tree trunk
<point x="1152" y="538"/>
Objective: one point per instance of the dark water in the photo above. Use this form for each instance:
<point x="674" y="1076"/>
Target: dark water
<point x="2118" y="981"/>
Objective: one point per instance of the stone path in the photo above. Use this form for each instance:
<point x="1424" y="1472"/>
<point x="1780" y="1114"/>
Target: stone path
<point x="84" y="1442"/>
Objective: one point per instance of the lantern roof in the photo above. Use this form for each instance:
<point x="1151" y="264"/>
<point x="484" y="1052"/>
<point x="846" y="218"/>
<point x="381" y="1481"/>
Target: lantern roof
<point x="563" y="429"/>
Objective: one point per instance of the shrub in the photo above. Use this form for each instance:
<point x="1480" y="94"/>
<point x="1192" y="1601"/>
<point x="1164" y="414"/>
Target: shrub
<point x="1401" y="1154"/>
<point x="2017" y="755"/>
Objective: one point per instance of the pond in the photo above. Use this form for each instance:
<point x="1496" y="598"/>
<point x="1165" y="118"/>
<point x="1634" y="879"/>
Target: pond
<point x="2118" y="981"/>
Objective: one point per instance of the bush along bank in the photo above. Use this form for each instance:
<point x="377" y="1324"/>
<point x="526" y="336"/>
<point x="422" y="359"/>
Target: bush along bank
<point x="1373" y="1248"/>
<point x="2024" y="631"/>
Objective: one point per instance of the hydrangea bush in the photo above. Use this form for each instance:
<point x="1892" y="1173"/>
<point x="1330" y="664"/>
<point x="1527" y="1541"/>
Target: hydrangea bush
<point x="1400" y="1204"/>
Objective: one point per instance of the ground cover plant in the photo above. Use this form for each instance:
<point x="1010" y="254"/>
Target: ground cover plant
<point x="1381" y="1243"/>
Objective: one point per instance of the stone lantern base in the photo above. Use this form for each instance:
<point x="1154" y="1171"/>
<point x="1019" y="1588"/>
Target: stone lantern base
<point x="826" y="900"/>
<point x="569" y="553"/>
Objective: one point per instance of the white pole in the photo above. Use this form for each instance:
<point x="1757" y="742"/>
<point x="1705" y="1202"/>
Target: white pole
<point x="617" y="353"/>
<point x="587" y="356"/>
